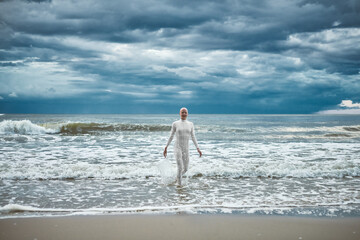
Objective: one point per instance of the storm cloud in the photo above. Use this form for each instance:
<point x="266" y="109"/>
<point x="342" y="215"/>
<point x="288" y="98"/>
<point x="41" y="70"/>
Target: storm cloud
<point x="156" y="56"/>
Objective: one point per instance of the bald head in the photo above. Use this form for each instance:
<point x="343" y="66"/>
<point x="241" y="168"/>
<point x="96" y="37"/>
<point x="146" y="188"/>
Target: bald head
<point x="183" y="108"/>
<point x="183" y="113"/>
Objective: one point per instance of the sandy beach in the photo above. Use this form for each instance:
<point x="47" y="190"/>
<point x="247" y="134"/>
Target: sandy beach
<point x="179" y="227"/>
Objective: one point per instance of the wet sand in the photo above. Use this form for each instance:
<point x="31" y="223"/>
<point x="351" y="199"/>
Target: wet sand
<point x="179" y="227"/>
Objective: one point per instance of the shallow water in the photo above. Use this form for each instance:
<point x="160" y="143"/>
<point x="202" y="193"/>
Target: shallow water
<point x="252" y="164"/>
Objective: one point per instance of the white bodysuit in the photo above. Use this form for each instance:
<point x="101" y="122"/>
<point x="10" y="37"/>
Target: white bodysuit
<point x="183" y="129"/>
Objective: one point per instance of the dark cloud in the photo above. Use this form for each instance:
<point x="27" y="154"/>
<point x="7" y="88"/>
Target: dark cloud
<point x="348" y="6"/>
<point x="10" y="64"/>
<point x="258" y="56"/>
<point x="38" y="1"/>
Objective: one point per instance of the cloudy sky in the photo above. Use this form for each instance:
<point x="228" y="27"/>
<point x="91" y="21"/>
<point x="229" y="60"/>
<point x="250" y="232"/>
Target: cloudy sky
<point x="145" y="56"/>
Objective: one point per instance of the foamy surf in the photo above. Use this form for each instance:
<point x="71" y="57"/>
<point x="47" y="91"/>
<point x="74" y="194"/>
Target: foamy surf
<point x="167" y="171"/>
<point x="90" y="164"/>
<point x="9" y="211"/>
<point x="201" y="168"/>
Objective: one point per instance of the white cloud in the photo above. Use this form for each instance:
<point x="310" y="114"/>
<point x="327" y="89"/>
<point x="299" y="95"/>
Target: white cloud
<point x="13" y="94"/>
<point x="335" y="40"/>
<point x="184" y="95"/>
<point x="1" y="98"/>
<point x="48" y="79"/>
<point x="139" y="94"/>
<point x="188" y="72"/>
<point x="336" y="23"/>
<point x="150" y="101"/>
<point x="351" y="108"/>
<point x="349" y="104"/>
<point x="185" y="92"/>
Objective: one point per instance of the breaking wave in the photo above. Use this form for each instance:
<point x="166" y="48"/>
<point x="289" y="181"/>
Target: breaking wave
<point x="23" y="127"/>
<point x="83" y="170"/>
<point x="27" y="127"/>
<point x="89" y="128"/>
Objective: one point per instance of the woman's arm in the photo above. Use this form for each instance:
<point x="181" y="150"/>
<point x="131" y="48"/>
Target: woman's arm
<point x="192" y="132"/>
<point x="173" y="130"/>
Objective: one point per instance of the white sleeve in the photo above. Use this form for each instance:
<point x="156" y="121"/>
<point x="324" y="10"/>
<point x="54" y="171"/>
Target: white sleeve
<point x="193" y="136"/>
<point x="173" y="130"/>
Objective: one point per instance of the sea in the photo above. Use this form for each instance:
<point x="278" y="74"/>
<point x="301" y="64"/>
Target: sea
<point x="294" y="165"/>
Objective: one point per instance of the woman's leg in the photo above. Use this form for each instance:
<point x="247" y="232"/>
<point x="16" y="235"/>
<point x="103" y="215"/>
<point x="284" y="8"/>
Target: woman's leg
<point x="179" y="162"/>
<point x="185" y="158"/>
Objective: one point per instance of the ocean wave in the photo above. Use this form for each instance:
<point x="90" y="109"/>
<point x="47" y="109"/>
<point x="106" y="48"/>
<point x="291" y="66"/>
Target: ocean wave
<point x="91" y="128"/>
<point x="309" y="132"/>
<point x="77" y="128"/>
<point x="83" y="170"/>
<point x="352" y="129"/>
<point x="218" y="128"/>
<point x="337" y="135"/>
<point x="321" y="129"/>
<point x="26" y="127"/>
<point x="9" y="209"/>
<point x="23" y="127"/>
<point x="73" y="128"/>
<point x="16" y="208"/>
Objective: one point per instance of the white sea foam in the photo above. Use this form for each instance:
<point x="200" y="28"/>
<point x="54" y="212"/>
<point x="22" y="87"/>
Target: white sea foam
<point x="188" y="208"/>
<point x="22" y="127"/>
<point x="298" y="160"/>
<point x="199" y="168"/>
<point x="63" y="160"/>
<point x="81" y="170"/>
<point x="167" y="171"/>
<point x="11" y="208"/>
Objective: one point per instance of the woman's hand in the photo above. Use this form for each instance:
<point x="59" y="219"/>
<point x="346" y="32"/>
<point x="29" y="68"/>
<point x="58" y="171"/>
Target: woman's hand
<point x="200" y="153"/>
<point x="165" y="152"/>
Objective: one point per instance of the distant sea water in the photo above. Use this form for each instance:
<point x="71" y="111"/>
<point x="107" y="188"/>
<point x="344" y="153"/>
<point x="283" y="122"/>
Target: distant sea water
<point x="306" y="165"/>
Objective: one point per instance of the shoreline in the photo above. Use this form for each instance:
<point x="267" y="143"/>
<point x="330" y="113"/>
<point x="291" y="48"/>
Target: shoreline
<point x="161" y="226"/>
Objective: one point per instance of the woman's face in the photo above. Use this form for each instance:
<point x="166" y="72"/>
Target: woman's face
<point x="183" y="114"/>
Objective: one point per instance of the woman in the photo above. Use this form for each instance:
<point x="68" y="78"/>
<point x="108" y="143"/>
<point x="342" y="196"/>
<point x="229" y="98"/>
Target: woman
<point x="183" y="129"/>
